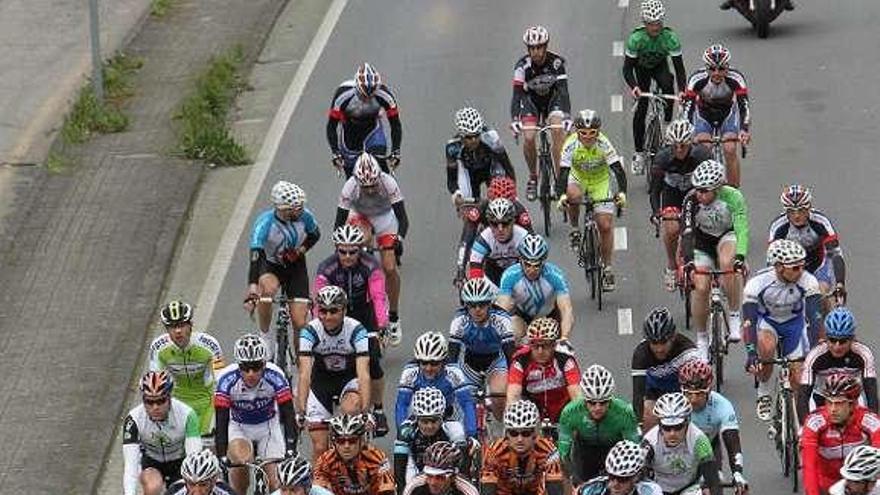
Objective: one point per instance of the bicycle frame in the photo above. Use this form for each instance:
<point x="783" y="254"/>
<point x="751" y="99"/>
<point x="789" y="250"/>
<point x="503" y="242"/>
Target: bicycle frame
<point x="469" y="214"/>
<point x="258" y="468"/>
<point x="717" y="321"/>
<point x="546" y="170"/>
<point x="784" y="428"/>
<point x="283" y="355"/>
<point x="589" y="256"/>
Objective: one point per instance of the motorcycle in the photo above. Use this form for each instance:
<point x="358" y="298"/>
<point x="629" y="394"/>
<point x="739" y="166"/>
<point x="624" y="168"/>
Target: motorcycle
<point x="760" y="13"/>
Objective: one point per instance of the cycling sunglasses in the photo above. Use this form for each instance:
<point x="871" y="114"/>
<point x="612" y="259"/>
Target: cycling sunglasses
<point x="348" y="252"/>
<point x="477" y="304"/>
<point x="717" y="68"/>
<point x="835" y="340"/>
<point x="330" y="311"/>
<point x="677" y="427"/>
<point x="520" y="433"/>
<point x="431" y="363"/>
<point x="542" y="344"/>
<point x="532" y="264"/>
<point x="347" y="440"/>
<point x="598" y="402"/>
<point x="247" y="367"/>
<point x="429" y="419"/>
<point x="500" y="224"/>
<point x="619" y="479"/>
<point x="588" y="133"/>
<point x="155" y="402"/>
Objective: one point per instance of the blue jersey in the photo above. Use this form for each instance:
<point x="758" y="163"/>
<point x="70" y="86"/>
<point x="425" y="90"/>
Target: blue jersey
<point x="275" y="236"/>
<point x="536" y="297"/>
<point x="486" y="339"/>
<point x="661" y="375"/>
<point x="252" y="405"/>
<point x="451" y="381"/>
<point x="718" y="416"/>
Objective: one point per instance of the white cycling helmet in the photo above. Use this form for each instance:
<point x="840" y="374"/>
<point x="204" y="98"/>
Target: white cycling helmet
<point x="500" y="210"/>
<point x="709" y="174"/>
<point x="536" y="36"/>
<point x="625" y="459"/>
<point x="652" y="11"/>
<point x="200" y="466"/>
<point x="680" y="131"/>
<point x="428" y="401"/>
<point x="672" y="409"/>
<point x="796" y="197"/>
<point x="295" y="471"/>
<point x="331" y="296"/>
<point x="366" y="170"/>
<point x="348" y="235"/>
<point x="597" y="383"/>
<point x="533" y="248"/>
<point x="785" y="251"/>
<point x="250" y="348"/>
<point x="287" y="195"/>
<point x="348" y="425"/>
<point x="468" y="121"/>
<point x="716" y="56"/>
<point x="861" y="464"/>
<point x="521" y="415"/>
<point x="431" y="346"/>
<point x="478" y="290"/>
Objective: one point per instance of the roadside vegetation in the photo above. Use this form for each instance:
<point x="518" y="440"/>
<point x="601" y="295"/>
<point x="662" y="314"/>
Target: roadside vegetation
<point x="159" y="8"/>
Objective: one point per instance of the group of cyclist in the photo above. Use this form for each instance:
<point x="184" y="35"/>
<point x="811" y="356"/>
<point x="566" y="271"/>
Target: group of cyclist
<point x="499" y="403"/>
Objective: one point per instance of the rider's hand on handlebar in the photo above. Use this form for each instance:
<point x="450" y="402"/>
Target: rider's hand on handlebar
<point x="394" y="160"/>
<point x="742" y="485"/>
<point x="516" y="127"/>
<point x="745" y="137"/>
<point x="739" y="264"/>
<point x="636" y="92"/>
<point x="300" y="419"/>
<point x="457" y="199"/>
<point x="250" y="298"/>
<point x="620" y="200"/>
<point x="337" y="160"/>
<point x="562" y="204"/>
<point x="567" y="124"/>
<point x="654" y="219"/>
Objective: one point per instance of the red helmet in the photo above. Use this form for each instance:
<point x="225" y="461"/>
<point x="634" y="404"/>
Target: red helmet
<point x="842" y="385"/>
<point x="156" y="384"/>
<point x="695" y="374"/>
<point x="502" y="186"/>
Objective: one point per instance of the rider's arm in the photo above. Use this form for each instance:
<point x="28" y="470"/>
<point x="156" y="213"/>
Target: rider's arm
<point x="742" y="97"/>
<point x="656" y="183"/>
<point x="680" y="73"/>
<point x="452" y="149"/>
<point x="405" y="392"/>
<point x="833" y="250"/>
<point x="288" y="422"/>
<point x="566" y="315"/>
<point x="259" y="235"/>
<point x="401" y="458"/>
<point x="388" y="103"/>
<point x="519" y="92"/>
<point x="192" y="442"/>
<point x="870" y="387"/>
<point x="378" y="296"/>
<point x="740" y="212"/>
<point x="334" y="117"/>
<point x="402" y="219"/>
<point x="708" y="469"/>
<point x="734" y="449"/>
<point x="313" y="232"/>
<point x="561" y="88"/>
<point x="479" y="249"/>
<point x="638" y="383"/>
<point x="362" y="364"/>
<point x="221" y="429"/>
<point x="504" y="161"/>
<point x="468" y="408"/>
<point x="131" y="454"/>
<point x="813" y="305"/>
<point x="805" y="390"/>
<point x="304" y="381"/>
<point x="810" y="453"/>
<point x="553" y="472"/>
<point x="514" y="382"/>
<point x="619" y="174"/>
<point x="629" y="71"/>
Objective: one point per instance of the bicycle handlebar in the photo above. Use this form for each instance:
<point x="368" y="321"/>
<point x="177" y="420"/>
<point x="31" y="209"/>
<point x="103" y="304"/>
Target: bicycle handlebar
<point x="783" y="361"/>
<point x="659" y="96"/>
<point x="256" y="463"/>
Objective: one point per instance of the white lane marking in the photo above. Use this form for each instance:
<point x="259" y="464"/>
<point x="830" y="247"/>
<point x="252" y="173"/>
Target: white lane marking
<point x="620" y="239"/>
<point x="616" y="103"/>
<point x="625" y="321"/>
<point x="617" y="48"/>
<point x="623" y="3"/>
<point x="248" y="196"/>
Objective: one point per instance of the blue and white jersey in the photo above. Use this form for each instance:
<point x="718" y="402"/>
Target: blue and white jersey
<point x="534" y="297"/>
<point x="481" y="339"/>
<point x="334" y="353"/>
<point x="275" y="236"/>
<point x="252" y="405"/>
<point x="718" y="416"/>
<point x="778" y="301"/>
<point x="451" y="381"/>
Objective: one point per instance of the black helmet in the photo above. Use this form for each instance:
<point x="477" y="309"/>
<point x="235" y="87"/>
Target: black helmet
<point x="659" y="325"/>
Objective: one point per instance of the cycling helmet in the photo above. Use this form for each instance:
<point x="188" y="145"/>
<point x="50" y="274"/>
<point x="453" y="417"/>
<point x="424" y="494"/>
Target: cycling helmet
<point x="156" y="384"/>
<point x="841" y="384"/>
<point x="348" y="235"/>
<point x="625" y="459"/>
<point x="441" y="458"/>
<point x="501" y="186"/>
<point x="785" y="251"/>
<point x="672" y="409"/>
<point x="653" y="11"/>
<point x="795" y="197"/>
<point x="468" y="121"/>
<point x="295" y="471"/>
<point x="533" y="247"/>
<point x="287" y="194"/>
<point x="478" y="290"/>
<point x="542" y="328"/>
<point x="176" y="312"/>
<point x="587" y="119"/>
<point x="708" y="175"/>
<point x="695" y="374"/>
<point x="500" y="210"/>
<point x="659" y="325"/>
<point x="367" y="79"/>
<point x="521" y="415"/>
<point x="200" y="466"/>
<point x="861" y="464"/>
<point x="536" y="36"/>
<point x="331" y="296"/>
<point x="597" y="383"/>
<point x="348" y="425"/>
<point x="366" y="170"/>
<point x="680" y="131"/>
<point x="428" y="401"/>
<point x="716" y="56"/>
<point x="840" y="324"/>
<point x="250" y="348"/>
<point x="431" y="346"/>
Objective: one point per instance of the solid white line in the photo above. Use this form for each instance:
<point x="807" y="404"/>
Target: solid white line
<point x="616" y="103"/>
<point x="624" y="321"/>
<point x="617" y="48"/>
<point x="620" y="239"/>
<point x="248" y="196"/>
<point x="623" y="3"/>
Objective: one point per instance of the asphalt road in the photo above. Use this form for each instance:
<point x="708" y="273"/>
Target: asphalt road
<point x="815" y="122"/>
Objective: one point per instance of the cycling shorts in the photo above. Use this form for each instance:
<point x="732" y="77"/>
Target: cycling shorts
<point x="825" y="273"/>
<point x="294" y="278"/>
<point x="533" y="107"/>
<point x="730" y="124"/>
<point x="672" y="197"/>
<point x="555" y="314"/>
<point x="374" y="141"/>
<point x="709" y="259"/>
<point x="383" y="226"/>
<point x="603" y="189"/>
<point x="319" y="406"/>
<point x="499" y="365"/>
<point x="268" y="436"/>
<point x="791" y="335"/>
<point x="170" y="470"/>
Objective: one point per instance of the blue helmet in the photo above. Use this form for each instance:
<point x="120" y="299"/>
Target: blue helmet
<point x="533" y="247"/>
<point x="840" y="324"/>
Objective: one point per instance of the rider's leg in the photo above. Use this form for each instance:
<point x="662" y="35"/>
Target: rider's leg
<point x="557" y="135"/>
<point x="319" y="435"/>
<point x="152" y="481"/>
<point x="671" y="230"/>
<point x="732" y="285"/>
<point x="575" y="194"/>
<point x="766" y="349"/>
<point x="240" y="451"/>
<point x="299" y="315"/>
<point x="497" y="386"/>
<point x="643" y="79"/>
<point x="605" y="222"/>
<point x="392" y="278"/>
<point x="700" y="300"/>
<point x="731" y="160"/>
<point x="530" y="150"/>
<point x="269" y="284"/>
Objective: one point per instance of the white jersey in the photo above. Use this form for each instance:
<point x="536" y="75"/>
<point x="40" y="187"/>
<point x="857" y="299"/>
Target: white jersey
<point x="838" y="489"/>
<point x="779" y="301"/>
<point x="374" y="202"/>
<point x="252" y="405"/>
<point x="676" y="468"/>
<point x="502" y="254"/>
<point x="334" y="353"/>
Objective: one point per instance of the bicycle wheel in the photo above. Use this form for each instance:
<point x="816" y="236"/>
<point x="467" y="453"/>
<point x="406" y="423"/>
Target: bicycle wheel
<point x="785" y="432"/>
<point x="793" y="447"/>
<point x="686" y="294"/>
<point x="282" y="340"/>
<point x="544" y="195"/>
<point x="716" y="355"/>
<point x="600" y="266"/>
<point x="652" y="145"/>
<point x="586" y="253"/>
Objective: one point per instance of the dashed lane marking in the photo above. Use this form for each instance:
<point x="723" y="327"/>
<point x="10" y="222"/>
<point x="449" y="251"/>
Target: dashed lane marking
<point x="623" y="3"/>
<point x="617" y="48"/>
<point x="616" y="103"/>
<point x="620" y="239"/>
<point x="624" y="321"/>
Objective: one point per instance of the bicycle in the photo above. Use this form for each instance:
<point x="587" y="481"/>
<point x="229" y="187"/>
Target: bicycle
<point x="717" y="321"/>
<point x="783" y="430"/>
<point x="588" y="255"/>
<point x="653" y="129"/>
<point x="283" y="354"/>
<point x="258" y="468"/>
<point x="546" y="171"/>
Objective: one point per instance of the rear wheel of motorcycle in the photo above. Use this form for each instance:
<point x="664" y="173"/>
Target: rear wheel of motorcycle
<point x="762" y="18"/>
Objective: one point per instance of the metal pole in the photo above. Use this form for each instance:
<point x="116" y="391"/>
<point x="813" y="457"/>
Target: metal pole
<point x="95" y="32"/>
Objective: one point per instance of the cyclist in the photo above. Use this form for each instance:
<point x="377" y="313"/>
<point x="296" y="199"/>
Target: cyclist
<point x="363" y="281"/>
<point x="591" y="426"/>
<point x="353" y="466"/>
<point x="199" y="473"/>
<point x="656" y="361"/>
<point x="372" y="200"/>
<point x="280" y="238"/>
<point x="715" y="234"/>
<point x="678" y="453"/>
<point x="535" y="287"/>
<point x="801" y="222"/>
<point x="333" y="361"/>
<point x="295" y="478"/>
<point x="191" y="359"/>
<point x="425" y="428"/>
<point x="860" y="471"/>
<point x="670" y="182"/>
<point x="355" y="125"/>
<point x="430" y="369"/>
<point x="252" y="394"/>
<point x="592" y="167"/>
<point x="714" y="415"/>
<point x="540" y="94"/>
<point x="839" y="352"/>
<point x="485" y="335"/>
<point x="833" y="430"/>
<point x="495" y="248"/>
<point x="522" y="462"/>
<point x="440" y="476"/>
<point x="541" y="373"/>
<point x="502" y="186"/>
<point x="780" y="303"/>
<point x="647" y="50"/>
<point x="156" y="435"/>
<point x="623" y="468"/>
<point x="473" y="157"/>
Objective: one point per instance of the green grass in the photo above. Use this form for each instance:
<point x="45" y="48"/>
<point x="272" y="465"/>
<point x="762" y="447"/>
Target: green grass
<point x="204" y="131"/>
<point x="55" y="163"/>
<point x="158" y="8"/>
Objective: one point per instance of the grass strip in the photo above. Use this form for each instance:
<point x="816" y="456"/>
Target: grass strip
<point x="159" y="8"/>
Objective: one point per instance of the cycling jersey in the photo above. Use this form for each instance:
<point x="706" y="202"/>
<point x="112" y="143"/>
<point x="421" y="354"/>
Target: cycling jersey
<point x="353" y="117"/>
<point x="714" y="102"/>
<point x="534" y="298"/>
<point x="654" y="377"/>
<point x="491" y="256"/>
<point x="676" y="468"/>
<point x="584" y="443"/>
<point x="589" y="166"/>
<point x="371" y="202"/>
<point x="313" y="490"/>
<point x="671" y="177"/>
<point x="515" y="475"/>
<point x="817" y="236"/>
<point x="364" y="284"/>
<point x="539" y="90"/>
<point x="460" y="486"/>
<point x="252" y="405"/>
<point x="599" y="486"/>
<point x="220" y="488"/>
<point x="716" y="417"/>
<point x="450" y="380"/>
<point x="783" y="306"/>
<point x="367" y="474"/>
<point x="545" y="384"/>
<point x="334" y="353"/>
<point x="706" y="225"/>
<point x="279" y="239"/>
<point x="192" y="369"/>
<point x="820" y="363"/>
<point x="824" y="445"/>
<point x="411" y="444"/>
<point x="652" y="51"/>
<point x="839" y="488"/>
<point x="484" y="345"/>
<point x="467" y="169"/>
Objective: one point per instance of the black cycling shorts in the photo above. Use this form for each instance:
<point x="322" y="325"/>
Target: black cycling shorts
<point x="170" y="470"/>
<point x="327" y="385"/>
<point x="540" y="106"/>
<point x="671" y="196"/>
<point x="555" y="314"/>
<point x="294" y="278"/>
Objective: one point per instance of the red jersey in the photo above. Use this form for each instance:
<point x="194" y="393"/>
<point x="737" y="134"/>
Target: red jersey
<point x="823" y="445"/>
<point x="545" y="384"/>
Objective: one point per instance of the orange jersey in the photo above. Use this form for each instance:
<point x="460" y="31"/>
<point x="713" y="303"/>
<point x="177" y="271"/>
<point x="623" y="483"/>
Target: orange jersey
<point x="513" y="475"/>
<point x="368" y="474"/>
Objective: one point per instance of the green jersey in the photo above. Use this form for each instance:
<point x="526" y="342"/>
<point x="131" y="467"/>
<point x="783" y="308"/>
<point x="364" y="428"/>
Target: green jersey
<point x="618" y="424"/>
<point x="676" y="468"/>
<point x="711" y="222"/>
<point x="652" y="51"/>
<point x="589" y="166"/>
